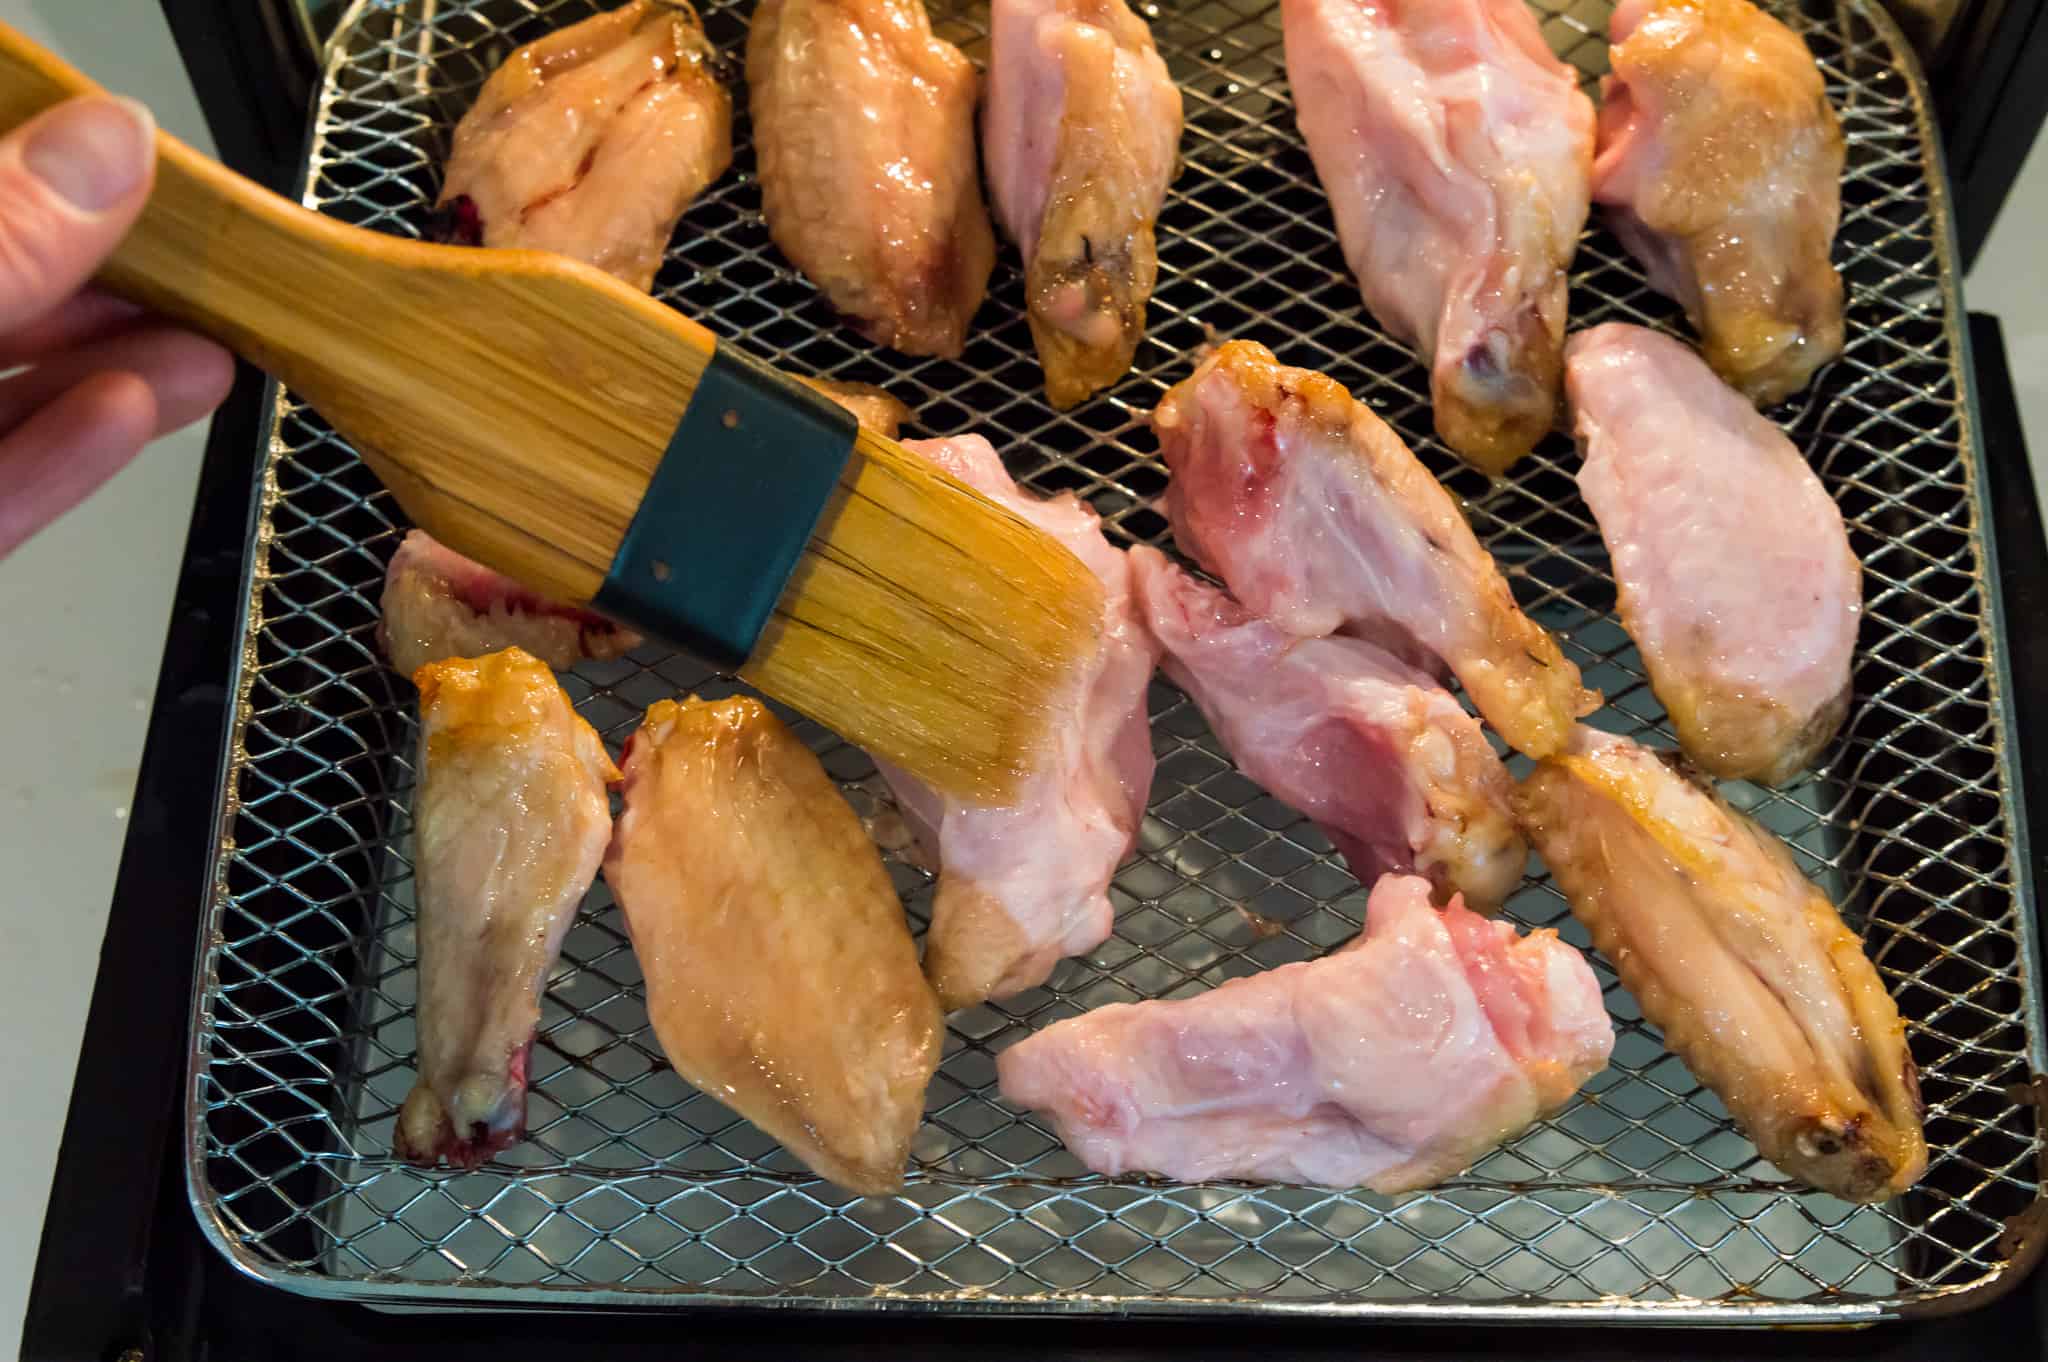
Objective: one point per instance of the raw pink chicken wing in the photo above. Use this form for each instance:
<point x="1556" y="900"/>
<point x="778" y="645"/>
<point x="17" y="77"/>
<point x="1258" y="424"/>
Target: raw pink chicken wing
<point x="1316" y="516"/>
<point x="1393" y="1063"/>
<point x="1024" y="885"/>
<point x="1080" y="135"/>
<point x="591" y="141"/>
<point x="1456" y="151"/>
<point x="1735" y="575"/>
<point x="1395" y="773"/>
<point x="1720" y="168"/>
<point x="438" y="604"/>
<point x="510" y="824"/>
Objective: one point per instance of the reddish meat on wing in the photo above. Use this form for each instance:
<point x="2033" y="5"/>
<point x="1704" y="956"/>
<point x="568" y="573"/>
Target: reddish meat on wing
<point x="1396" y="774"/>
<point x="1317" y="517"/>
<point x="438" y="604"/>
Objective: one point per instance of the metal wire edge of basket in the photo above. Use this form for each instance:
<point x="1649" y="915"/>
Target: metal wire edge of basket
<point x="1754" y="1311"/>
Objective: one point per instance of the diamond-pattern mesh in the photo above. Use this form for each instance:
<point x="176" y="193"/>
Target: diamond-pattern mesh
<point x="1639" y="1197"/>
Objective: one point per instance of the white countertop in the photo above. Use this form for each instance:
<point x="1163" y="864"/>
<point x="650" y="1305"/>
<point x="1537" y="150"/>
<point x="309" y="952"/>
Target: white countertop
<point x="86" y="604"/>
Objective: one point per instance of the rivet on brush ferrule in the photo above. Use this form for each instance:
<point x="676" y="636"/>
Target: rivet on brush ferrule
<point x="729" y="510"/>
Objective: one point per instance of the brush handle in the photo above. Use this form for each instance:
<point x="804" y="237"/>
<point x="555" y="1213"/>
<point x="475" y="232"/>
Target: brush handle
<point x="518" y="404"/>
<point x="384" y="336"/>
<point x="211" y="248"/>
<point x="279" y="284"/>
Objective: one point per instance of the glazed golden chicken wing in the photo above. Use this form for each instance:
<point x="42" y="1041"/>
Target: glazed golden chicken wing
<point x="781" y="974"/>
<point x="592" y="141"/>
<point x="1720" y="167"/>
<point x="1752" y="975"/>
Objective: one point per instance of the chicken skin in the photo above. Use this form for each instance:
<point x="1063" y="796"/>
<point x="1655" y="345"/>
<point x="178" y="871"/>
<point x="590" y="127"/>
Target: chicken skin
<point x="1392" y="1064"/>
<point x="510" y="821"/>
<point x="781" y="974"/>
<point x="1720" y="168"/>
<point x="1456" y="151"/>
<point x="1081" y="136"/>
<point x="1024" y="885"/>
<point x="1748" y="969"/>
<point x="438" y="604"/>
<point x="1317" y="517"/>
<point x="1395" y="773"/>
<point x="864" y="125"/>
<point x="1736" y="577"/>
<point x="592" y="141"/>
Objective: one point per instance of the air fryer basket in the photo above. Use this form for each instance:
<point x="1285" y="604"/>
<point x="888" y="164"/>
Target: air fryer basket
<point x="1638" y="1202"/>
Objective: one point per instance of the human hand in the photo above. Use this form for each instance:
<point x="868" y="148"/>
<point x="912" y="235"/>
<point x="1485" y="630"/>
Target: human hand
<point x="95" y="378"/>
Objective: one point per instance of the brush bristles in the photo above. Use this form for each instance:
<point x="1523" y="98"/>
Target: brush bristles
<point x="930" y="626"/>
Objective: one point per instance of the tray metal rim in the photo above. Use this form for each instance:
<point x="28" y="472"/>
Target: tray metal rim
<point x="1619" y="1311"/>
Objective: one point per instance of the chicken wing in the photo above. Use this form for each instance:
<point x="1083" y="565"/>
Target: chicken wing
<point x="864" y="124"/>
<point x="438" y="604"/>
<point x="781" y="974"/>
<point x="1397" y="775"/>
<point x="1081" y="136"/>
<point x="592" y="141"/>
<point x="1743" y="963"/>
<point x="1023" y="885"/>
<point x="1720" y="168"/>
<point x="1393" y="1063"/>
<point x="1317" y="517"/>
<point x="873" y="407"/>
<point x="510" y="821"/>
<point x="1456" y="151"/>
<point x="1736" y="577"/>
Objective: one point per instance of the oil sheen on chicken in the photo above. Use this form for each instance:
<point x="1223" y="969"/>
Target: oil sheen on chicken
<point x="1317" y="517"/>
<point x="592" y="141"/>
<point x="1081" y="136"/>
<point x="781" y="974"/>
<point x="1720" y="168"/>
<point x="510" y="821"/>
<point x="1024" y="885"/>
<point x="1392" y="1064"/>
<point x="1456" y="151"/>
<point x="438" y="604"/>
<point x="1736" y="577"/>
<point x="1743" y="963"/>
<point x="864" y="125"/>
<point x="1395" y="773"/>
<point x="873" y="407"/>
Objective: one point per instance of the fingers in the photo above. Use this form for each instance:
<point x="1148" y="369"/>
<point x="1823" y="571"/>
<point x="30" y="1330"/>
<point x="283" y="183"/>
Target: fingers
<point x="60" y="454"/>
<point x="71" y="182"/>
<point x="82" y="317"/>
<point x="104" y="383"/>
<point x="187" y="375"/>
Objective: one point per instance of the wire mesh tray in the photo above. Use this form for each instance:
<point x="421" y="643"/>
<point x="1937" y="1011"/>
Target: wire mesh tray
<point x="1638" y="1202"/>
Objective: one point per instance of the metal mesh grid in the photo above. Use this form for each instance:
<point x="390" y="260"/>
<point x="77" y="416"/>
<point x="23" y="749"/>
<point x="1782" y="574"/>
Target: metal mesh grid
<point x="1639" y="1199"/>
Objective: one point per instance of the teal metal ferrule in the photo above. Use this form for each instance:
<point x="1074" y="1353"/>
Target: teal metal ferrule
<point x="729" y="509"/>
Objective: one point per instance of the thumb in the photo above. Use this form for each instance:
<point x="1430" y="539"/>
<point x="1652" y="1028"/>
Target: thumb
<point x="72" y="181"/>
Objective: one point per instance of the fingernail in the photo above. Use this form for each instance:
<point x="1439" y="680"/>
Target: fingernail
<point x="94" y="151"/>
